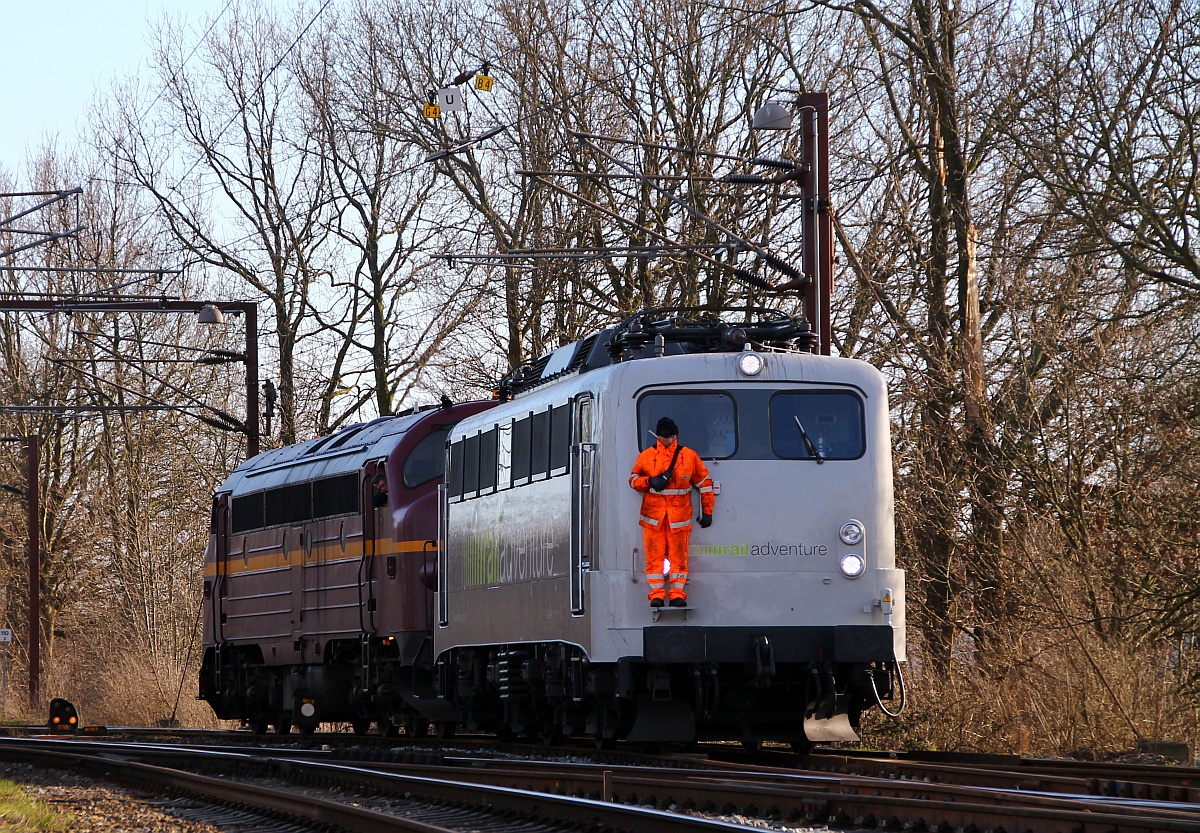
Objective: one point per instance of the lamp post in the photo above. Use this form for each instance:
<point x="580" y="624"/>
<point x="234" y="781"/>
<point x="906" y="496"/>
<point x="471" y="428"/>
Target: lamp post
<point x="33" y="512"/>
<point x="814" y="190"/>
<point x="206" y="312"/>
<point x="212" y="314"/>
<point x="33" y="464"/>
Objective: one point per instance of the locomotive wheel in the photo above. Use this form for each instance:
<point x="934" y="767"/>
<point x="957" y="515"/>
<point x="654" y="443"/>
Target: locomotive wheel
<point x="360" y="727"/>
<point x="417" y="728"/>
<point x="283" y="725"/>
<point x="552" y="735"/>
<point x="388" y="729"/>
<point x="802" y="747"/>
<point x="258" y="725"/>
<point x="445" y="729"/>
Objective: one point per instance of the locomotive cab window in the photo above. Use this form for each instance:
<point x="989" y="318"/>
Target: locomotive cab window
<point x="427" y="461"/>
<point x="707" y="421"/>
<point x="833" y="422"/>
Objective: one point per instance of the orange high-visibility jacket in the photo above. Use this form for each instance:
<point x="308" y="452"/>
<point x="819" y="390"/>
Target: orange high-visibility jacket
<point x="673" y="503"/>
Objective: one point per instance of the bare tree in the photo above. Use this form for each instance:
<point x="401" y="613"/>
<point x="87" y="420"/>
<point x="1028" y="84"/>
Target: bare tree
<point x="937" y="111"/>
<point x="233" y="162"/>
<point x="394" y="308"/>
<point x="1112" y="130"/>
<point x="673" y="85"/>
<point x="126" y="467"/>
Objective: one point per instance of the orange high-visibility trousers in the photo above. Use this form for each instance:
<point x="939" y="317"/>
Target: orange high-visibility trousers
<point x="661" y="543"/>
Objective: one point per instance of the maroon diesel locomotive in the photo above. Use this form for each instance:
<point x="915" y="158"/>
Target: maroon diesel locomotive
<point x="319" y="579"/>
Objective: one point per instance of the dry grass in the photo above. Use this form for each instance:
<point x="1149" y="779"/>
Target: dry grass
<point x="110" y="687"/>
<point x="21" y="814"/>
<point x="1059" y="693"/>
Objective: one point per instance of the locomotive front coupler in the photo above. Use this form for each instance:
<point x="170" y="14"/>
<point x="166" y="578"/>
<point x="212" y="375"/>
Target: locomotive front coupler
<point x="764" y="661"/>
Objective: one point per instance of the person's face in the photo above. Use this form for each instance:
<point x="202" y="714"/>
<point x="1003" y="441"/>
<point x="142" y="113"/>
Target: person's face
<point x="668" y="441"/>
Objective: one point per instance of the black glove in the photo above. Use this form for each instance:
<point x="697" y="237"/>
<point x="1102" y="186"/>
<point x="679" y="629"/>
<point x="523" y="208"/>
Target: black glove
<point x="658" y="482"/>
<point x="705" y="521"/>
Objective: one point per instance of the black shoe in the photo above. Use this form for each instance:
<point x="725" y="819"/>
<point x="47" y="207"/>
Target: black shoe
<point x="656" y="603"/>
<point x="678" y="603"/>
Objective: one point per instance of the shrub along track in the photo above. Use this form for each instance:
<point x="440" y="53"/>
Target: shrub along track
<point x="456" y="787"/>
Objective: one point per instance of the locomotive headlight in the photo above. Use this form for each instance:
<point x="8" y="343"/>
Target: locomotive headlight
<point x="851" y="533"/>
<point x="750" y="364"/>
<point x="852" y="565"/>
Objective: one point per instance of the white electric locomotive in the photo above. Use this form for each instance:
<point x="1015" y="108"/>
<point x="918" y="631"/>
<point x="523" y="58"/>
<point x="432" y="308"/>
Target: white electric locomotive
<point x="794" y="621"/>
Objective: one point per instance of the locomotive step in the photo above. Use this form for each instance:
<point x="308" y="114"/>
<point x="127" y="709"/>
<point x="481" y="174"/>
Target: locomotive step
<point x="655" y="612"/>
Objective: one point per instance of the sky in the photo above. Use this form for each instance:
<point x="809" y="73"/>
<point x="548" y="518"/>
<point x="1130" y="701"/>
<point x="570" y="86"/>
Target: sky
<point x="55" y="57"/>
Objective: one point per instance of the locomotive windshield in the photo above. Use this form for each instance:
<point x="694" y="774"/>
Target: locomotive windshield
<point x="833" y="422"/>
<point x="428" y="460"/>
<point x="707" y="420"/>
<point x="756" y="423"/>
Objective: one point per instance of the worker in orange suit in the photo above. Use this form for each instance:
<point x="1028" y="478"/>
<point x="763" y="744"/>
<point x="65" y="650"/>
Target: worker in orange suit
<point x="665" y="474"/>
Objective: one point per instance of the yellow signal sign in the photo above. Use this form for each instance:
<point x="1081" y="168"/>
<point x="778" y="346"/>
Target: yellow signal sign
<point x="484" y="83"/>
<point x="432" y="111"/>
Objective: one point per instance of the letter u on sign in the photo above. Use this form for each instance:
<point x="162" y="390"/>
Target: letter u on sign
<point x="450" y="98"/>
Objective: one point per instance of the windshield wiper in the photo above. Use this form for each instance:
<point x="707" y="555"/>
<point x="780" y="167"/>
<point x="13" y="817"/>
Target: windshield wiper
<point x="808" y="443"/>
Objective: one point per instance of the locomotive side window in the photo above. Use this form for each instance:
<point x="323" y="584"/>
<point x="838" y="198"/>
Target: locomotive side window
<point x="560" y="438"/>
<point x="427" y="461"/>
<point x="540" y="444"/>
<point x="454" y="483"/>
<point x="504" y="455"/>
<point x="832" y="421"/>
<point x="511" y="454"/>
<point x="487" y="461"/>
<point x="707" y="421"/>
<point x="248" y="512"/>
<point x="521" y="449"/>
<point x="335" y="496"/>
<point x="289" y="504"/>
<point x="470" y="465"/>
<point x="297" y="503"/>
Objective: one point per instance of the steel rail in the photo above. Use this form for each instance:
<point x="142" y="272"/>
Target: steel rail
<point x="1179" y="784"/>
<point x="1135" y="781"/>
<point x="563" y="810"/>
<point x="863" y="800"/>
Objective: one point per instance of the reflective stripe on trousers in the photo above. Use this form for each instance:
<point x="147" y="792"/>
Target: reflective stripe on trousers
<point x="663" y="543"/>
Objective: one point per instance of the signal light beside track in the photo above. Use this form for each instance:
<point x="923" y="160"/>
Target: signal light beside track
<point x="63" y="716"/>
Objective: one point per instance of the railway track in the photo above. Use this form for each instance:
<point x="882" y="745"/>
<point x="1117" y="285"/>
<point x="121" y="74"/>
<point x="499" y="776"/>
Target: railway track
<point x="357" y="786"/>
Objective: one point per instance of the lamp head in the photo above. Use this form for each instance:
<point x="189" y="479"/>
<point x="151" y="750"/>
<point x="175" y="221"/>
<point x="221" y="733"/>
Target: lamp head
<point x="772" y="116"/>
<point x="209" y="314"/>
